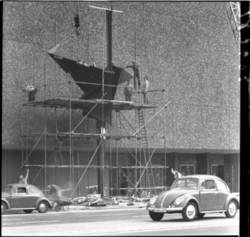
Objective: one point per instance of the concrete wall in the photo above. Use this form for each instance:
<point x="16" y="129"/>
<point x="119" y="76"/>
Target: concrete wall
<point x="192" y="54"/>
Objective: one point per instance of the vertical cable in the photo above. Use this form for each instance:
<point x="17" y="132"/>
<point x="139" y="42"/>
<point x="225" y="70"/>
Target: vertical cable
<point x="55" y="63"/>
<point x="70" y="135"/>
<point x="117" y="169"/>
<point x="165" y="134"/>
<point x="45" y="135"/>
<point x="55" y="108"/>
<point x="136" y="166"/>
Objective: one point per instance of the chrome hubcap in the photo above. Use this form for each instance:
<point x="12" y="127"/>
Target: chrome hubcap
<point x="232" y="208"/>
<point x="190" y="211"/>
<point x="3" y="207"/>
<point x="43" y="207"/>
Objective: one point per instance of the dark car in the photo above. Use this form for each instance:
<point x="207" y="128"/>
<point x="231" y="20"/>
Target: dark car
<point x="24" y="197"/>
<point x="194" y="196"/>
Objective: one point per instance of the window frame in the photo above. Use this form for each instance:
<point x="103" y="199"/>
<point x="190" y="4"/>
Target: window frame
<point x="19" y="188"/>
<point x="204" y="187"/>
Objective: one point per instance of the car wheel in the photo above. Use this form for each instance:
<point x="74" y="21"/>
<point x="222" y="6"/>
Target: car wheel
<point x="3" y="207"/>
<point x="155" y="216"/>
<point x="231" y="209"/>
<point x="200" y="215"/>
<point x="43" y="207"/>
<point x="190" y="211"/>
<point x="28" y="211"/>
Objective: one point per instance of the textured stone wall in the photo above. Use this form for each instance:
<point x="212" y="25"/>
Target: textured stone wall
<point x="186" y="48"/>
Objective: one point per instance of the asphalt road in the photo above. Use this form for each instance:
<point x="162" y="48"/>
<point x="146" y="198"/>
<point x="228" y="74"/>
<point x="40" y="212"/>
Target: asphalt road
<point x="124" y="221"/>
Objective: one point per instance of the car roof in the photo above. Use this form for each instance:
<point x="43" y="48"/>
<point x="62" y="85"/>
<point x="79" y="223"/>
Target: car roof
<point x="201" y="176"/>
<point x="20" y="185"/>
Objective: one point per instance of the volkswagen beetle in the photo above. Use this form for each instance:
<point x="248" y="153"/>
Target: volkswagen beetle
<point x="24" y="197"/>
<point x="193" y="196"/>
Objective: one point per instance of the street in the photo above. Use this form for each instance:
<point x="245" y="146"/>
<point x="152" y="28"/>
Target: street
<point x="116" y="221"/>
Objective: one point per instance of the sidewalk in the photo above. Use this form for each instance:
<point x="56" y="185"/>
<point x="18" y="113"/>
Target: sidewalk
<point x="121" y="206"/>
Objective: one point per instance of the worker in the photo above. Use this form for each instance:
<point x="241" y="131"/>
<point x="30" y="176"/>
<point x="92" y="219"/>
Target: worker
<point x="145" y="90"/>
<point x="77" y="24"/>
<point x="31" y="90"/>
<point x="22" y="179"/>
<point x="176" y="174"/>
<point x="55" y="191"/>
<point x="135" y="68"/>
<point x="128" y="91"/>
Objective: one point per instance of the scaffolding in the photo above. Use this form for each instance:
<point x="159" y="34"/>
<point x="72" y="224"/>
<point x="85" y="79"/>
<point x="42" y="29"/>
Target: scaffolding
<point x="126" y="175"/>
<point x="138" y="170"/>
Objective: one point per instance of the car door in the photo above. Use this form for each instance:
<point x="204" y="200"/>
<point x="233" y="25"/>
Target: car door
<point x="208" y="195"/>
<point x="34" y="195"/>
<point x="223" y="193"/>
<point x="20" y="198"/>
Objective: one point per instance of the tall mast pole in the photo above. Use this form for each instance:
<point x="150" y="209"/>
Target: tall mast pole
<point x="109" y="38"/>
<point x="101" y="124"/>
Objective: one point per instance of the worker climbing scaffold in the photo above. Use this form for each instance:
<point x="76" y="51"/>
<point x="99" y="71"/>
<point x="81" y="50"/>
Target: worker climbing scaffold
<point x="145" y="89"/>
<point x="135" y="68"/>
<point x="128" y="90"/>
<point x="31" y="91"/>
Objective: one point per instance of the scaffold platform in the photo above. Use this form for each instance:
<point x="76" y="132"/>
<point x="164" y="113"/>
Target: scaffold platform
<point x="76" y="103"/>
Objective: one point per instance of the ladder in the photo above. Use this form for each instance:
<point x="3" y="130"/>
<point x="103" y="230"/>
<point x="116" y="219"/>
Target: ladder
<point x="144" y="142"/>
<point x="143" y="132"/>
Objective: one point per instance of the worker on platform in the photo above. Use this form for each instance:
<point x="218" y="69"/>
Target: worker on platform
<point x="22" y="179"/>
<point x="77" y="24"/>
<point x="145" y="89"/>
<point x="135" y="68"/>
<point x="31" y="90"/>
<point x="128" y="90"/>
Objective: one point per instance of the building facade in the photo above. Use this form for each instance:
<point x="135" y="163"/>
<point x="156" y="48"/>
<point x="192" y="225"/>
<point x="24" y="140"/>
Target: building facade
<point x="189" y="54"/>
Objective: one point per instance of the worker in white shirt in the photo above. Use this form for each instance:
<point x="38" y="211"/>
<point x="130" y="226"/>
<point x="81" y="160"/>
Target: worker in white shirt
<point x="128" y="91"/>
<point x="176" y="174"/>
<point x="24" y="179"/>
<point x="145" y="89"/>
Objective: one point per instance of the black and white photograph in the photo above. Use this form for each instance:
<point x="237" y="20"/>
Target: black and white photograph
<point x="121" y="118"/>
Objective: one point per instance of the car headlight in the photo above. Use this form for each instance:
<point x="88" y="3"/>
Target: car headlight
<point x="179" y="200"/>
<point x="152" y="200"/>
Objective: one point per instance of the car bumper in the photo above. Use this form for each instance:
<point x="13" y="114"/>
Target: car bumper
<point x="166" y="210"/>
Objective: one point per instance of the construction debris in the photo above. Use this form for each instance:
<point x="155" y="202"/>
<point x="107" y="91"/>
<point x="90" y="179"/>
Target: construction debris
<point x="92" y="200"/>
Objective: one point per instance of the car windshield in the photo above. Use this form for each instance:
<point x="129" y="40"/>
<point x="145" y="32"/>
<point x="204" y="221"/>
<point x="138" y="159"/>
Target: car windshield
<point x="185" y="183"/>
